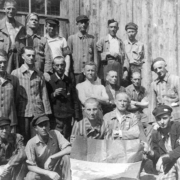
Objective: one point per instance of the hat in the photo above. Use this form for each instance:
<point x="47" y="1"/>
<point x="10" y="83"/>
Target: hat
<point x="82" y="18"/>
<point x="39" y="119"/>
<point x="4" y="121"/>
<point x="156" y="60"/>
<point x="52" y="21"/>
<point x="162" y="109"/>
<point x="131" y="25"/>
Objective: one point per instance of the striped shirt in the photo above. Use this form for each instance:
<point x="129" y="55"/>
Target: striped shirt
<point x="82" y="48"/>
<point x="33" y="94"/>
<point x="9" y="93"/>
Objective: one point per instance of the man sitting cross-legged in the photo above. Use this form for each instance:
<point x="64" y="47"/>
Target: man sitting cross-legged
<point x="47" y="153"/>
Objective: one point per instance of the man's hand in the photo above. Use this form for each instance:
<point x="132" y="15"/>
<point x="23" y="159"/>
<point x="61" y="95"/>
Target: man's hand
<point x="159" y="165"/>
<point x="6" y="171"/>
<point x="117" y="133"/>
<point x="47" y="77"/>
<point x="146" y="146"/>
<point x="47" y="164"/>
<point x="125" y="75"/>
<point x="53" y="175"/>
<point x="155" y="126"/>
<point x="58" y="91"/>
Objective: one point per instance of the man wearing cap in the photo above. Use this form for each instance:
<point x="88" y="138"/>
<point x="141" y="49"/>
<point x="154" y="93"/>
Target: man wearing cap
<point x="11" y="32"/>
<point x="57" y="44"/>
<point x="112" y="54"/>
<point x="47" y="153"/>
<point x="165" y="144"/>
<point x="82" y="47"/>
<point x="134" y="49"/>
<point x="165" y="89"/>
<point x="12" y="154"/>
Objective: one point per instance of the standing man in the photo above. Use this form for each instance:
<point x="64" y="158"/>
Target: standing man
<point x="82" y="47"/>
<point x="112" y="54"/>
<point x="165" y="89"/>
<point x="134" y="49"/>
<point x="33" y="98"/>
<point x="63" y="97"/>
<point x="11" y="32"/>
<point x="57" y="44"/>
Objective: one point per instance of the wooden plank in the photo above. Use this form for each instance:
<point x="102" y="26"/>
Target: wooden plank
<point x="63" y="8"/>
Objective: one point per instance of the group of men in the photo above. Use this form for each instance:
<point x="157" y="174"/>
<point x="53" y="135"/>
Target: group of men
<point x="50" y="86"/>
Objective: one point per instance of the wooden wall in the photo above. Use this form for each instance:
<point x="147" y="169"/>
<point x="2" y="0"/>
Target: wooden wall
<point x="158" y="21"/>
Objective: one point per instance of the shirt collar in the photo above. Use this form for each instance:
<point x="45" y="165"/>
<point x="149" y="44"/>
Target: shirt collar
<point x="59" y="78"/>
<point x="24" y="68"/>
<point x="110" y="37"/>
<point x="38" y="140"/>
<point x="114" y="115"/>
<point x="141" y="90"/>
<point x="129" y="42"/>
<point x="165" y="79"/>
<point x="6" y="77"/>
<point x="81" y="35"/>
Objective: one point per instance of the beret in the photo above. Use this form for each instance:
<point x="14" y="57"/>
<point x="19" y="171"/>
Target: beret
<point x="131" y="25"/>
<point x="156" y="60"/>
<point x="162" y="109"/>
<point x="4" y="121"/>
<point x="39" y="119"/>
<point x="52" y="21"/>
<point x="82" y="18"/>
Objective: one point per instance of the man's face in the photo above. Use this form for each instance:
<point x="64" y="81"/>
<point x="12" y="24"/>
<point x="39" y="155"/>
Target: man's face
<point x="3" y="64"/>
<point x="91" y="111"/>
<point x="59" y="66"/>
<point x="51" y="29"/>
<point x="160" y="68"/>
<point x="121" y="102"/>
<point x="43" y="128"/>
<point x="112" y="77"/>
<point x="136" y="80"/>
<point x="113" y="28"/>
<point x="29" y="57"/>
<point x="33" y="22"/>
<point x="163" y="120"/>
<point x="83" y="25"/>
<point x="90" y="72"/>
<point x="10" y="10"/>
<point x="131" y="34"/>
<point x="5" y="131"/>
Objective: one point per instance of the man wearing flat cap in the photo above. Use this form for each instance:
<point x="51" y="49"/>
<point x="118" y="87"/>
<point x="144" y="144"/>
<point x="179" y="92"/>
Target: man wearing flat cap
<point x="165" y="144"/>
<point x="82" y="47"/>
<point x="134" y="49"/>
<point x="57" y="44"/>
<point x="47" y="153"/>
<point x="12" y="154"/>
<point x="111" y="54"/>
<point x="165" y="89"/>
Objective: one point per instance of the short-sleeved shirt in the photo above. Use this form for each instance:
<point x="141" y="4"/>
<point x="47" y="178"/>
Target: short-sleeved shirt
<point x="38" y="152"/>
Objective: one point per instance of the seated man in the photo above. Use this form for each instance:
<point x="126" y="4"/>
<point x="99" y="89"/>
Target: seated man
<point x="165" y="144"/>
<point x="12" y="152"/>
<point x="119" y="123"/>
<point x="90" y="126"/>
<point x="47" y="153"/>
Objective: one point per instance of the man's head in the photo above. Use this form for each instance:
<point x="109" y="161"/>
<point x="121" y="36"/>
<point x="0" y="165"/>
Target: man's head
<point x="136" y="79"/>
<point x="90" y="70"/>
<point x="28" y="55"/>
<point x="159" y="67"/>
<point x="10" y="8"/>
<point x="51" y="26"/>
<point x="122" y="101"/>
<point x="82" y="22"/>
<point x="5" y="128"/>
<point x="162" y="114"/>
<point x="131" y="29"/>
<point x="3" y="61"/>
<point x="111" y="77"/>
<point x="32" y="20"/>
<point x="41" y="125"/>
<point x="59" y="65"/>
<point x="112" y="27"/>
<point x="91" y="109"/>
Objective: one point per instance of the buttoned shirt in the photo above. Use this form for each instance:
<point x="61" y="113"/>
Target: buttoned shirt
<point x="167" y="142"/>
<point x="134" y="52"/>
<point x="127" y="123"/>
<point x="9" y="97"/>
<point x="38" y="152"/>
<point x="113" y="44"/>
<point x="33" y="98"/>
<point x="82" y="48"/>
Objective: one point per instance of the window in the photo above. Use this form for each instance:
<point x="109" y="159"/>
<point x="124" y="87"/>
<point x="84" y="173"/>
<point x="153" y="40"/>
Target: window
<point x="38" y="6"/>
<point x="53" y="7"/>
<point x="23" y="5"/>
<point x="2" y="4"/>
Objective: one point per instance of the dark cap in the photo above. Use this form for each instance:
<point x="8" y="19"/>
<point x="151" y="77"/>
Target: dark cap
<point x="162" y="109"/>
<point x="82" y="18"/>
<point x="156" y="60"/>
<point x="131" y="25"/>
<point x="52" y="21"/>
<point x="39" y="119"/>
<point x="4" y="121"/>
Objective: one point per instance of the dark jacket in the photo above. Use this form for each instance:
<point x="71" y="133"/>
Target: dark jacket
<point x="67" y="104"/>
